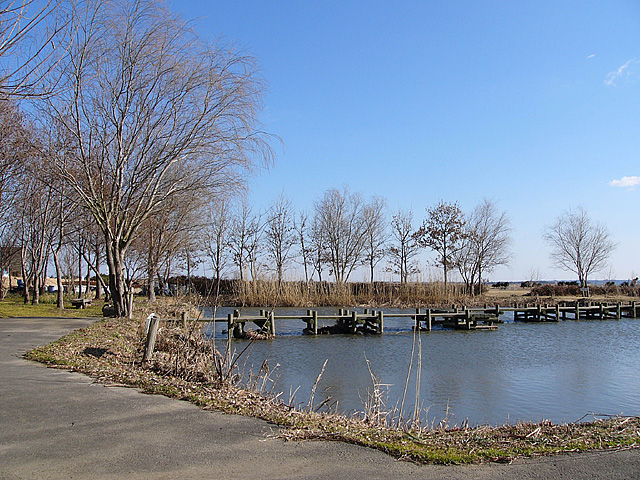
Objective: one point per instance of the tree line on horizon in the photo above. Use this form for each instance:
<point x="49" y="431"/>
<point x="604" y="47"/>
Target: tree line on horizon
<point x="126" y="139"/>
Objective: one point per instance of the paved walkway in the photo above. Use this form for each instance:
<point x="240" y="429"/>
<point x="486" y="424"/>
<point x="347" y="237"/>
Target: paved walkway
<point x="56" y="424"/>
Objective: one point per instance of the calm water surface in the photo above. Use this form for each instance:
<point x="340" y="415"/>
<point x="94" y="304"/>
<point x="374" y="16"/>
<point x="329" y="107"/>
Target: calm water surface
<point x="555" y="371"/>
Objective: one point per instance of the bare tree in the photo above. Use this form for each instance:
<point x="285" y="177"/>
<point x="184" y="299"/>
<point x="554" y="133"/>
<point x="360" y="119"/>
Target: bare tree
<point x="166" y="234"/>
<point x="404" y="248"/>
<point x="317" y="246"/>
<point x="243" y="244"/>
<point x="155" y="113"/>
<point x="484" y="245"/>
<point x="280" y="234"/>
<point x="34" y="220"/>
<point x="302" y="231"/>
<point x="215" y="234"/>
<point x="443" y="231"/>
<point x="340" y="216"/>
<point x="578" y="244"/>
<point x="375" y="232"/>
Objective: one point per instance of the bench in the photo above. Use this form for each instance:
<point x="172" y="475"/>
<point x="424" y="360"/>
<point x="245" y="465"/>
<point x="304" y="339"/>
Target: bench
<point x="81" y="302"/>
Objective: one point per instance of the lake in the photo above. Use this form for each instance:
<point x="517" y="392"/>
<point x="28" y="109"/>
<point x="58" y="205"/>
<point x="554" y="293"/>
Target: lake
<point x="522" y="371"/>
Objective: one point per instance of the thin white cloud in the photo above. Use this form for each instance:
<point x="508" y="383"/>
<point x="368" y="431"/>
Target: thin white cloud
<point x="591" y="56"/>
<point x="626" y="182"/>
<point x="624" y="70"/>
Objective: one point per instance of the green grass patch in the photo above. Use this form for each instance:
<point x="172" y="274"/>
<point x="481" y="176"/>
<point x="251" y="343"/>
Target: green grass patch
<point x="14" y="306"/>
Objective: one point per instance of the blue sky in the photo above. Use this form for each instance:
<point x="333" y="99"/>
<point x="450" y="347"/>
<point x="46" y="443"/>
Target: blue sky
<point x="535" y="105"/>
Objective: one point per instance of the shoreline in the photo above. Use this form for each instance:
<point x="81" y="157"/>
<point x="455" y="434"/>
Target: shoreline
<point x="110" y="351"/>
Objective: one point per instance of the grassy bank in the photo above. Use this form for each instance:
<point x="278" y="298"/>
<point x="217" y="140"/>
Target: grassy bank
<point x="188" y="367"/>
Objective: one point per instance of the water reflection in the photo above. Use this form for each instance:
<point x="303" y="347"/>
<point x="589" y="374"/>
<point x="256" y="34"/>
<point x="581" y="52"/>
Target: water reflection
<point x="558" y="371"/>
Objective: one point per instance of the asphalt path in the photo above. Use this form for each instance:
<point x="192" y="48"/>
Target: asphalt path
<point x="56" y="424"/>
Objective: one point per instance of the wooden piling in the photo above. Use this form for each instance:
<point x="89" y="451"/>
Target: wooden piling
<point x="314" y="322"/>
<point x="272" y="323"/>
<point x="380" y="321"/>
<point x="429" y="319"/>
<point x="152" y="334"/>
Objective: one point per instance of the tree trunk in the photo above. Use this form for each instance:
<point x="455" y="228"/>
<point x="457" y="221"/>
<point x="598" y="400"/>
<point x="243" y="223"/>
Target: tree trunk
<point x="56" y="262"/>
<point x="151" y="291"/>
<point x="25" y="281"/>
<point x="116" y="278"/>
<point x="36" y="290"/>
<point x="97" y="270"/>
<point x="80" y="271"/>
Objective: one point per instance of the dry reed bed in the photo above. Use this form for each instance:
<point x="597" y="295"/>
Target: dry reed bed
<point x="261" y="293"/>
<point x="188" y="367"/>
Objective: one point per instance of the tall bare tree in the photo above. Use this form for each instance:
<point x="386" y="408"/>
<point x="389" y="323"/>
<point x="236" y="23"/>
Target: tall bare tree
<point x="341" y="219"/>
<point x="280" y="234"/>
<point x="35" y="219"/>
<point x="317" y="246"/>
<point x="404" y="247"/>
<point x="375" y="232"/>
<point x="215" y="232"/>
<point x="443" y="231"/>
<point x="243" y="238"/>
<point x="485" y="244"/>
<point x="155" y="112"/>
<point x="578" y="244"/>
<point x="302" y="232"/>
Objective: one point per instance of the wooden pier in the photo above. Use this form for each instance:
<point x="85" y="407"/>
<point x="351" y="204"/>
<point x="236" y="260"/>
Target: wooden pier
<point x="372" y="321"/>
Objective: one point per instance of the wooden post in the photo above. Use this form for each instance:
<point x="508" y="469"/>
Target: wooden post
<point x="314" y="322"/>
<point x="577" y="311"/>
<point x="153" y="321"/>
<point x="601" y="311"/>
<point x="539" y="313"/>
<point x="183" y="317"/>
<point x="619" y="311"/>
<point x="467" y="318"/>
<point x="272" y="323"/>
<point x="557" y="312"/>
<point x="635" y="313"/>
<point x="417" y="320"/>
<point x="354" y="321"/>
<point x="229" y="326"/>
<point x="380" y="321"/>
<point x="428" y="319"/>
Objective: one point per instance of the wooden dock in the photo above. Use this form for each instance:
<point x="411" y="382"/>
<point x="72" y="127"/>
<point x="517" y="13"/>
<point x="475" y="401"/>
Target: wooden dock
<point x="372" y="321"/>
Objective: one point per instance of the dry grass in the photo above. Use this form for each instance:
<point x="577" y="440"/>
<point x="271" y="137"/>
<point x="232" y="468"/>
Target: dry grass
<point x="186" y="366"/>
<point x="317" y="294"/>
